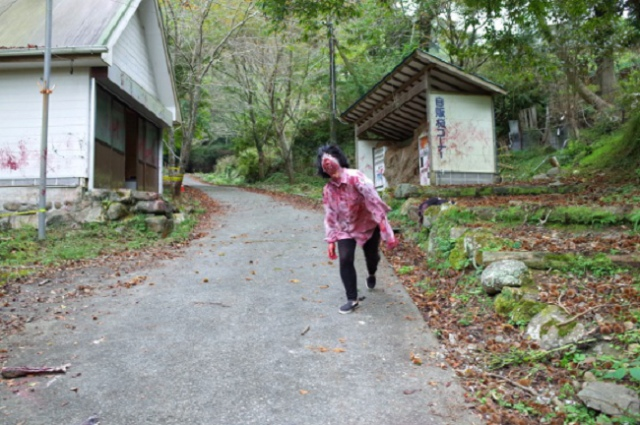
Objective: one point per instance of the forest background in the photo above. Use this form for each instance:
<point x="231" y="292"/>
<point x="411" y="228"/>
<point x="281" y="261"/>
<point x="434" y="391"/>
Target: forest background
<point x="254" y="77"/>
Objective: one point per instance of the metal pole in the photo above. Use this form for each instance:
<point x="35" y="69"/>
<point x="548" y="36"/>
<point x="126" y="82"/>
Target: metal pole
<point x="42" y="205"/>
<point x="332" y="78"/>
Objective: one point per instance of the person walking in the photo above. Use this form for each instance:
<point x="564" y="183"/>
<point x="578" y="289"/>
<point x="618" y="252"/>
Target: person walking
<point x="354" y="216"/>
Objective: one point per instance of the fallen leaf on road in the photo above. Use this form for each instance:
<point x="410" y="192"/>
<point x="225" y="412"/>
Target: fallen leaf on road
<point x="409" y="392"/>
<point x="304" y="392"/>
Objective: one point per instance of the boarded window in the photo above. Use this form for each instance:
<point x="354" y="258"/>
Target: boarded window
<point x="103" y="113"/>
<point x="117" y="126"/>
<point x="151" y="145"/>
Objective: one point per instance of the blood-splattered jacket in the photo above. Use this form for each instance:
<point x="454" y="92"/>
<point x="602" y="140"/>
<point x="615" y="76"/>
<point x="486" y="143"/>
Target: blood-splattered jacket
<point x="353" y="209"/>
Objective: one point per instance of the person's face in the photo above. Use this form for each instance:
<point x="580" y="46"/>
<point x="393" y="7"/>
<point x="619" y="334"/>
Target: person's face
<point x="331" y="166"/>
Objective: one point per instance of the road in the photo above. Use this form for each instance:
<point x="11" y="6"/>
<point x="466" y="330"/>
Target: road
<point x="241" y="328"/>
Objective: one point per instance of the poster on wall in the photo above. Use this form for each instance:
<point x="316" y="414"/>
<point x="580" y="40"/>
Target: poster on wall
<point x="425" y="164"/>
<point x="378" y="168"/>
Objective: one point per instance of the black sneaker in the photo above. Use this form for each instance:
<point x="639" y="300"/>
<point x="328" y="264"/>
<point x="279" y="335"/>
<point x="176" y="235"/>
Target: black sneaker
<point x="371" y="282"/>
<point x="349" y="307"/>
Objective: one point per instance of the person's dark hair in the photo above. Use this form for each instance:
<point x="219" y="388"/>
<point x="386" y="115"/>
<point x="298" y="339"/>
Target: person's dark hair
<point x="334" y="151"/>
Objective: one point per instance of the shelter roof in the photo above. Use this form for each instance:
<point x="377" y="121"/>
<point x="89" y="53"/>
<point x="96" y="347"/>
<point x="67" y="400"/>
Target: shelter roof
<point x="396" y="106"/>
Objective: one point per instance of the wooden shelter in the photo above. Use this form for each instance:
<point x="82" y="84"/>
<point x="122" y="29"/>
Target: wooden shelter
<point x="426" y="122"/>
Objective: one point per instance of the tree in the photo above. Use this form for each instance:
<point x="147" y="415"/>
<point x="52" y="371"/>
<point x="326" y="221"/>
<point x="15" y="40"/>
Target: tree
<point x="576" y="33"/>
<point x="197" y="32"/>
<point x="271" y="77"/>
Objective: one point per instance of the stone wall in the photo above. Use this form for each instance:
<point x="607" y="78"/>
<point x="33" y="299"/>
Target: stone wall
<point x="96" y="206"/>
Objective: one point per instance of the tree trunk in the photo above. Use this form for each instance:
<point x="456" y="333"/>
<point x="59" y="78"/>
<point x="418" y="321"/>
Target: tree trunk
<point x="287" y="155"/>
<point x="189" y="127"/>
<point x="171" y="144"/>
<point x="261" y="162"/>
<point x="607" y="77"/>
<point x="589" y="96"/>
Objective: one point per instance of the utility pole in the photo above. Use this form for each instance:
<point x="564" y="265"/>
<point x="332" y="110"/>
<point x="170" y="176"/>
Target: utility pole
<point x="42" y="204"/>
<point x="332" y="82"/>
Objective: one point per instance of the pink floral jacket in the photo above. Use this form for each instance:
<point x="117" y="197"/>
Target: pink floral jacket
<point x="353" y="209"/>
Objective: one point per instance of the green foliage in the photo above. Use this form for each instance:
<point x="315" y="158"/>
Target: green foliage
<point x="23" y="253"/>
<point x="405" y="270"/>
<point x="457" y="215"/>
<point x="599" y="265"/>
<point x="205" y="155"/>
<point x="226" y="172"/>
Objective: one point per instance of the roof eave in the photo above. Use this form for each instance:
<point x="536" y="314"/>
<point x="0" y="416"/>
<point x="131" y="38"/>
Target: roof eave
<point x="352" y="116"/>
<point x="59" y="51"/>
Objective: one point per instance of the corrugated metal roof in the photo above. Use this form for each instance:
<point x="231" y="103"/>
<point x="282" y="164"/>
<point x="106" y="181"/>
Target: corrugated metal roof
<point x="396" y="106"/>
<point x="76" y="23"/>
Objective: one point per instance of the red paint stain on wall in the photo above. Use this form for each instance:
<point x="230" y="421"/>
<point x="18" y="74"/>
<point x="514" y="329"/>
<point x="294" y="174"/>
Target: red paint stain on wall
<point x="10" y="160"/>
<point x="465" y="137"/>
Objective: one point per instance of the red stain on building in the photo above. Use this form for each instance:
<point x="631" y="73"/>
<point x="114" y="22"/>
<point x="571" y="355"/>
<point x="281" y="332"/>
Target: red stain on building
<point x="13" y="161"/>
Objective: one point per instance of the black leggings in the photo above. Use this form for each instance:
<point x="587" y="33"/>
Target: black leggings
<point x="347" y="251"/>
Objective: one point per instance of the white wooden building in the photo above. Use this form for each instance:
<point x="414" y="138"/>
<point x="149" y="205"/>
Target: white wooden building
<point x="426" y="122"/>
<point x="113" y="94"/>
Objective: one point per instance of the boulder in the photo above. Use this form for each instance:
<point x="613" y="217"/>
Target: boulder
<point x="116" y="211"/>
<point x="549" y="330"/>
<point x="152" y="207"/>
<point x="406" y="190"/>
<point x="159" y="224"/>
<point x="504" y="273"/>
<point x="59" y="218"/>
<point x="609" y="398"/>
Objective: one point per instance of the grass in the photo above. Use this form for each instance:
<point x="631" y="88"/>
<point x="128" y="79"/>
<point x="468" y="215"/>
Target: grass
<point x="23" y="254"/>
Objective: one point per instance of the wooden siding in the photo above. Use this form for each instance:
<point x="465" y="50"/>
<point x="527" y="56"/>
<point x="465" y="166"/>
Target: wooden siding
<point x="21" y="124"/>
<point x="131" y="55"/>
<point x="109" y="167"/>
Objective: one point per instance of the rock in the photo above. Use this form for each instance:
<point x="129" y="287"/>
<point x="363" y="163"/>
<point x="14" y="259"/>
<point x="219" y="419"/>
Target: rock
<point x="116" y="211"/>
<point x="178" y="218"/>
<point x="121" y="195"/>
<point x="410" y="209"/>
<point x="59" y="218"/>
<point x="518" y="304"/>
<point x="609" y="398"/>
<point x="90" y="215"/>
<point x="544" y="328"/>
<point x="552" y="172"/>
<point x="152" y="207"/>
<point x="406" y="190"/>
<point x="11" y="206"/>
<point x="144" y="196"/>
<point x="504" y="273"/>
<point x="605" y="349"/>
<point x="159" y="224"/>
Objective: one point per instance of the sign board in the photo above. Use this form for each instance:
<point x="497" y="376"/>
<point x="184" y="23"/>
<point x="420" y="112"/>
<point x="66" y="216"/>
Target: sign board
<point x="378" y="168"/>
<point x="461" y="136"/>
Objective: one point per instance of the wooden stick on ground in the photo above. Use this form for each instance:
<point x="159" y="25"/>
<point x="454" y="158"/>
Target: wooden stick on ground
<point x="16" y="372"/>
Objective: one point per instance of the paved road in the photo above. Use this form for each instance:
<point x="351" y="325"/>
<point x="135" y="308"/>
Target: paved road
<point x="243" y="328"/>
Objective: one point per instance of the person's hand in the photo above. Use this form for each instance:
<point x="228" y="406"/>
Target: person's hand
<point x="331" y="251"/>
<point x="392" y="243"/>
